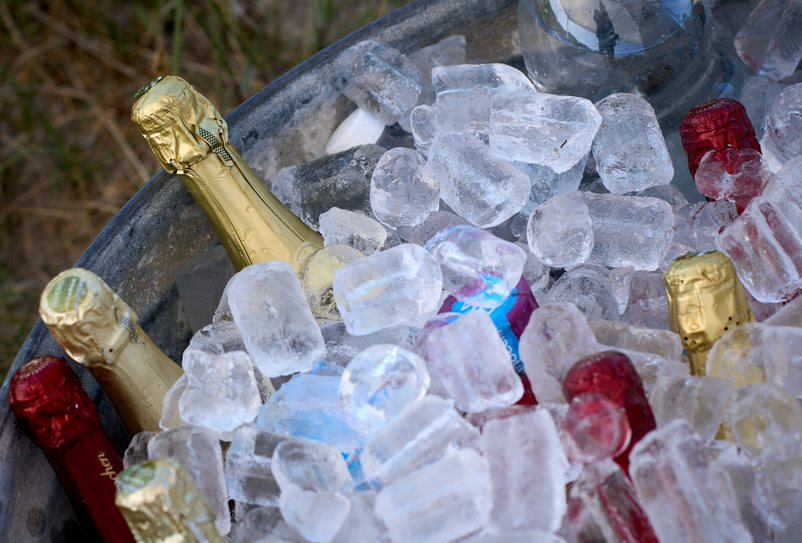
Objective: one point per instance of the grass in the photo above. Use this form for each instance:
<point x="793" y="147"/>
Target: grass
<point x="69" y="155"/>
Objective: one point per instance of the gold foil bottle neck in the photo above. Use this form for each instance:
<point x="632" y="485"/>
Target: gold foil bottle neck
<point x="160" y="503"/>
<point x="99" y="330"/>
<point x="190" y="138"/>
<point x="705" y="300"/>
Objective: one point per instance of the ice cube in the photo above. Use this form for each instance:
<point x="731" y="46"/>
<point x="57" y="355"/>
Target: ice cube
<point x="589" y="288"/>
<point x="276" y="324"/>
<point x="595" y="428"/>
<point x="341" y="180"/>
<point x="685" y="497"/>
<point x="663" y="343"/>
<point x="379" y="383"/>
<point x="417" y="436"/>
<point x="447" y="52"/>
<point x="647" y="306"/>
<point x="701" y="401"/>
<point x="471" y="361"/>
<point x="559" y="232"/>
<point x="762" y="413"/>
<point x="477" y="186"/>
<point x="379" y="79"/>
<point x="440" y="502"/>
<point x="422" y="125"/>
<point x="343" y="227"/>
<point x="783" y="122"/>
<point x="478" y="268"/>
<point x="314" y="482"/>
<point x="735" y="175"/>
<point x="221" y="392"/>
<point x="402" y="191"/>
<point x="137" y="451"/>
<point x="629" y="149"/>
<point x="171" y="416"/>
<point x="249" y="478"/>
<point x="536" y="273"/>
<point x="308" y="407"/>
<point x="697" y="225"/>
<point x="456" y="77"/>
<point x="539" y="128"/>
<point x="341" y="346"/>
<point x="557" y="336"/>
<point x="668" y="192"/>
<point x="757" y="95"/>
<point x="765" y="242"/>
<point x="387" y="288"/>
<point x="525" y="498"/>
<point x="758" y="352"/>
<point x="362" y="525"/>
<point x="603" y="506"/>
<point x="769" y="42"/>
<point x="434" y="223"/>
<point x="629" y="230"/>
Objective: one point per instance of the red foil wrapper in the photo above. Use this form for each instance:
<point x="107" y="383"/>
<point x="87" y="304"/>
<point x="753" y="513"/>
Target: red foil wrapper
<point x="714" y="126"/>
<point x="53" y="409"/>
<point x="612" y="374"/>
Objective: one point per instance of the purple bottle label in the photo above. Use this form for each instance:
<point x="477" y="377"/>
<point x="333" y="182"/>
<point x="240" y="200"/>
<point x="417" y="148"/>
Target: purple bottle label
<point x="510" y="318"/>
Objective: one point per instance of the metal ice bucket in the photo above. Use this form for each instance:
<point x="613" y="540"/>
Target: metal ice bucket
<point x="139" y="252"/>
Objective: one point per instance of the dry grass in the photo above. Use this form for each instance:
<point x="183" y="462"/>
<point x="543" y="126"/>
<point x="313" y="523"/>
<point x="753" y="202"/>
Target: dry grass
<point x="70" y="157"/>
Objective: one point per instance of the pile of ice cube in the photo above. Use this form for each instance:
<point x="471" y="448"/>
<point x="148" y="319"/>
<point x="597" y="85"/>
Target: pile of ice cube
<point x="352" y="411"/>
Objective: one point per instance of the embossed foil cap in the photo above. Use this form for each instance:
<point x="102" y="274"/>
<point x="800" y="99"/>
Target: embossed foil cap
<point x="715" y="126"/>
<point x="50" y="404"/>
<point x="54" y="411"/>
<point x="97" y="329"/>
<point x="161" y="503"/>
<point x="705" y="299"/>
<point x="190" y="138"/>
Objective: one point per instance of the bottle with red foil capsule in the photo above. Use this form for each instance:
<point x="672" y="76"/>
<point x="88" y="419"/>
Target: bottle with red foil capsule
<point x="714" y="126"/>
<point x="612" y="374"/>
<point x="53" y="410"/>
<point x="510" y="318"/>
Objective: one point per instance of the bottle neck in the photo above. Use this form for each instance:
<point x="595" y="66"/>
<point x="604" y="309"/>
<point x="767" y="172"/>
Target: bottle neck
<point x="136" y="376"/>
<point x="251" y="223"/>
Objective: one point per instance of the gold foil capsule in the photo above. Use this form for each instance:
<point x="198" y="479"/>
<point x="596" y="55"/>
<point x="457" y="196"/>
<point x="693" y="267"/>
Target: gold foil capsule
<point x="98" y="330"/>
<point x="705" y="299"/>
<point x="190" y="138"/>
<point x="160" y="503"/>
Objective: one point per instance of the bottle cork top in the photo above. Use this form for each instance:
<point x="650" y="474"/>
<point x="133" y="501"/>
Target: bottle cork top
<point x="90" y="322"/>
<point x="160" y="502"/>
<point x="705" y="299"/>
<point x="50" y="403"/>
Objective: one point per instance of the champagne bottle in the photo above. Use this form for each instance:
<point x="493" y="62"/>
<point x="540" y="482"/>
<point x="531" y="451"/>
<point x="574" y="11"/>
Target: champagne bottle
<point x="97" y="329"/>
<point x="161" y="503"/>
<point x="190" y="138"/>
<point x="705" y="299"/>
<point x="54" y="411"/>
